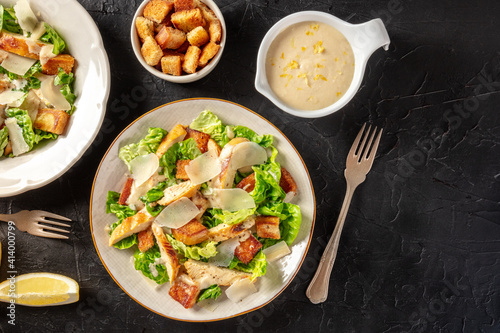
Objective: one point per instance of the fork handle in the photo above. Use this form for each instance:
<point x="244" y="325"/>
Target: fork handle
<point x="5" y="217"/>
<point x="317" y="292"/>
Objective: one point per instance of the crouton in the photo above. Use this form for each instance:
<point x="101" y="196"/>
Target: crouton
<point x="198" y="36"/>
<point x="200" y="138"/>
<point x="157" y="10"/>
<point x="170" y="38"/>
<point x="64" y="61"/>
<point x="50" y="120"/>
<point x="191" y="59"/>
<point x="8" y="149"/>
<point x="215" y="31"/>
<point x="184" y="292"/>
<point x="247" y="183"/>
<point x="168" y="52"/>
<point x="187" y="20"/>
<point x="145" y="27"/>
<point x="183" y="5"/>
<point x="126" y="190"/>
<point x="181" y="169"/>
<point x="146" y="240"/>
<point x="183" y="48"/>
<point x="268" y="226"/>
<point x="171" y="64"/>
<point x="191" y="233"/>
<point x="286" y="182"/>
<point x="247" y="249"/>
<point x="151" y="51"/>
<point x="209" y="51"/>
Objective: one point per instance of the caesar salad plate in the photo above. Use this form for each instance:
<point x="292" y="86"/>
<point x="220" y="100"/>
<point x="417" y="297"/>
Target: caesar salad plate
<point x="92" y="82"/>
<point x="111" y="175"/>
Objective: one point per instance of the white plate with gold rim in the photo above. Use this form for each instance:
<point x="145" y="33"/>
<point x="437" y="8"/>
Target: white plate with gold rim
<point x="92" y="81"/>
<point x="111" y="175"/>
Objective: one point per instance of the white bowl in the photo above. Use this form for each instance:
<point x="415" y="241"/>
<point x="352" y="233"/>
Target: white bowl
<point x="184" y="78"/>
<point x="92" y="81"/>
<point x="364" y="38"/>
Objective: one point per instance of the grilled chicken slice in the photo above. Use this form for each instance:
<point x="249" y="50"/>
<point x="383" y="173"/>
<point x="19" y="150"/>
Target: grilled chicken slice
<point x="170" y="194"/>
<point x="205" y="274"/>
<point x="177" y="134"/>
<point x="136" y="192"/>
<point x="226" y="178"/>
<point x="200" y="138"/>
<point x="225" y="231"/>
<point x="185" y="291"/>
<point x="201" y="203"/>
<point x="168" y="254"/>
<point x="131" y="225"/>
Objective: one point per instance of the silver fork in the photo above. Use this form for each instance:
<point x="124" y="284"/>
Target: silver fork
<point x="359" y="162"/>
<point x="29" y="221"/>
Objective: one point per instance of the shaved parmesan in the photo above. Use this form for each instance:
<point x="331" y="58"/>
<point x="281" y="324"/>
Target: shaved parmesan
<point x="240" y="289"/>
<point x="232" y="199"/>
<point x="10" y="96"/>
<point x="247" y="153"/>
<point x="33" y="46"/>
<point x="225" y="252"/>
<point x="204" y="167"/>
<point x="53" y="95"/>
<point x="19" y="146"/>
<point x="143" y="167"/>
<point x="16" y="64"/>
<point x="178" y="213"/>
<point x="38" y="31"/>
<point x="276" y="251"/>
<point x="25" y="16"/>
<point x="46" y="53"/>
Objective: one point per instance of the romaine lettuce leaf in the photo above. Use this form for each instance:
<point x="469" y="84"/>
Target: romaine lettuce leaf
<point x="51" y="36"/>
<point x="143" y="261"/>
<point x="121" y="212"/>
<point x="245" y="132"/>
<point x="24" y="121"/>
<point x="155" y="194"/>
<point x="258" y="265"/>
<point x="42" y="135"/>
<point x="202" y="251"/>
<point x="213" y="291"/>
<point x="4" y="139"/>
<point x="290" y="220"/>
<point x="145" y="146"/>
<point x="209" y="123"/>
<point x="267" y="180"/>
<point x="65" y="83"/>
<point x="8" y="20"/>
<point x="228" y="217"/>
<point x="185" y="150"/>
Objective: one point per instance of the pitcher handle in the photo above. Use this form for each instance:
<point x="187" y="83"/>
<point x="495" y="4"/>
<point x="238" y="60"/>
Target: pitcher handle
<point x="370" y="36"/>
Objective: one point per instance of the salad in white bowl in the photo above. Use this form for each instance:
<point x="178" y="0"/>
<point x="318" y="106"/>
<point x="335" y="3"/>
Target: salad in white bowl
<point x="205" y="208"/>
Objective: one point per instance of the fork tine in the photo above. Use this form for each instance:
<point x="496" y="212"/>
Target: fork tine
<point x="371" y="158"/>
<point x="369" y="145"/>
<point x="48" y="234"/>
<point x="355" y="144"/>
<point x="52" y="215"/>
<point x="44" y="220"/>
<point x="47" y="227"/>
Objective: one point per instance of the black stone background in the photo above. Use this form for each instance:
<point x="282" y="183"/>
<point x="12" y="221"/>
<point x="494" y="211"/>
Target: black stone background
<point x="420" y="248"/>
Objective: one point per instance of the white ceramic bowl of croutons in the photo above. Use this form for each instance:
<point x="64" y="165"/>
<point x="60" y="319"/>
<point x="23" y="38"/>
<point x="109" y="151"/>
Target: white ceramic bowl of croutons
<point x="159" y="46"/>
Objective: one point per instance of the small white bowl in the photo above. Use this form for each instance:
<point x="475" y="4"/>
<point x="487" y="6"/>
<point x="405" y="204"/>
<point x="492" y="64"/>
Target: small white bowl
<point x="184" y="78"/>
<point x="364" y="38"/>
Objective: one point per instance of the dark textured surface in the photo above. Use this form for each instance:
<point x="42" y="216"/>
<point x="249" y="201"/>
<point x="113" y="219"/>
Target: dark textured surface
<point x="420" y="251"/>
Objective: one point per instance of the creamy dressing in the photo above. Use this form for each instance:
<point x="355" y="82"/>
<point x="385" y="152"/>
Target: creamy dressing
<point x="310" y="65"/>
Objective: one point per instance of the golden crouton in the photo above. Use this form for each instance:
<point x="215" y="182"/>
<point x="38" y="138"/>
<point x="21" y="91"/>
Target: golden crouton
<point x="8" y="149"/>
<point x="168" y="52"/>
<point x="184" y="293"/>
<point x="144" y="27"/>
<point x="198" y="36"/>
<point x="64" y="61"/>
<point x="50" y="120"/>
<point x="287" y="183"/>
<point x="126" y="190"/>
<point x="187" y="20"/>
<point x="146" y="240"/>
<point x="247" y="249"/>
<point x="191" y="59"/>
<point x="170" y="38"/>
<point x="215" y="31"/>
<point x="151" y="51"/>
<point x="191" y="233"/>
<point x="200" y="138"/>
<point x="171" y="64"/>
<point x="183" y="48"/>
<point x="183" y="5"/>
<point x="181" y="169"/>
<point x="209" y="51"/>
<point x="268" y="226"/>
<point x="157" y="10"/>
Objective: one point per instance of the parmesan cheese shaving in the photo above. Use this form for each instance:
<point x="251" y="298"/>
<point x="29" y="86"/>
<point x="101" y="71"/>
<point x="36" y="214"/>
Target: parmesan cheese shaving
<point x="16" y="64"/>
<point x="38" y="31"/>
<point x="46" y="54"/>
<point x="232" y="199"/>
<point x="177" y="214"/>
<point x="53" y="95"/>
<point x="240" y="289"/>
<point x="19" y="146"/>
<point x="25" y="16"/>
<point x="225" y="252"/>
<point x="8" y="97"/>
<point x="276" y="251"/>
<point x="33" y="46"/>
<point x="143" y="167"/>
<point x="204" y="167"/>
<point x="246" y="154"/>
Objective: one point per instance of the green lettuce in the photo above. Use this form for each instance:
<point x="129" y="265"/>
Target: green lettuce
<point x="185" y="150"/>
<point x="144" y="260"/>
<point x="4" y="139"/>
<point x="213" y="291"/>
<point x="65" y="83"/>
<point x="209" y="123"/>
<point x="8" y="20"/>
<point x="148" y="145"/>
<point x="257" y="267"/>
<point x="51" y="36"/>
<point x="202" y="251"/>
<point x="121" y="212"/>
<point x="290" y="220"/>
<point x="42" y="135"/>
<point x="155" y="194"/>
<point x="245" y="132"/>
<point x="267" y="180"/>
<point x="225" y="216"/>
<point x="23" y="121"/>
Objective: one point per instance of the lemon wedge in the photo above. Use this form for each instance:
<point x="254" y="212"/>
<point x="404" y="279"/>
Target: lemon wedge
<point x="40" y="289"/>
